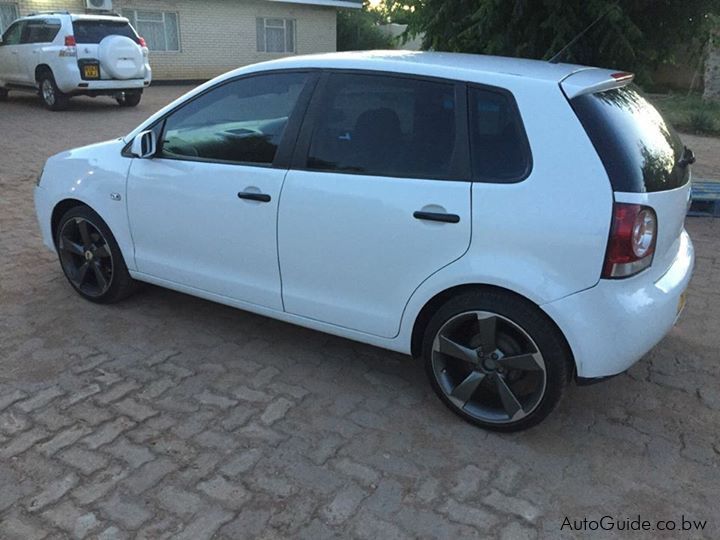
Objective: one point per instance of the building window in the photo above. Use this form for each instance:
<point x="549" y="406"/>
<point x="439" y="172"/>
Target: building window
<point x="159" y="28"/>
<point x="275" y="35"/>
<point x="8" y="13"/>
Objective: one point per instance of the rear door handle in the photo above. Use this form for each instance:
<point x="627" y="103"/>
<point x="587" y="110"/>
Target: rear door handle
<point x="437" y="216"/>
<point x="251" y="196"/>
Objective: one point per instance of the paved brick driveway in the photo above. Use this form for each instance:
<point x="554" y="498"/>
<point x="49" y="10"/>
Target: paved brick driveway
<point x="169" y="416"/>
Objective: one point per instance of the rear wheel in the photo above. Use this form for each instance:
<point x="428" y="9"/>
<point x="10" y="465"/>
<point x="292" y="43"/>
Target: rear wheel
<point x="129" y="99"/>
<point x="496" y="360"/>
<point x="90" y="257"/>
<point x="50" y="94"/>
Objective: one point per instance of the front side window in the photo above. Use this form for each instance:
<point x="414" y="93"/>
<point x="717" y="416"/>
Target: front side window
<point x="498" y="144"/>
<point x="12" y="35"/>
<point x="275" y="35"/>
<point x="41" y="31"/>
<point x="8" y="13"/>
<point x="385" y="126"/>
<point x="239" y="122"/>
<point x="159" y="28"/>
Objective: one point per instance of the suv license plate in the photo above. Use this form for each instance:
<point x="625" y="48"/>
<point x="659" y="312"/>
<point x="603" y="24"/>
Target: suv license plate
<point x="91" y="71"/>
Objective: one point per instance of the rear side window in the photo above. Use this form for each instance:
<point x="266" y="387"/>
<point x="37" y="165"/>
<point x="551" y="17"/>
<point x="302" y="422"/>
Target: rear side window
<point x="41" y="31"/>
<point x="638" y="147"/>
<point x="385" y="126"/>
<point x="95" y="31"/>
<point x="498" y="144"/>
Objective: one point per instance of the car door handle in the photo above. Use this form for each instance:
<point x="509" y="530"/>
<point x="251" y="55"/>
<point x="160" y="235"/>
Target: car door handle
<point x="437" y="216"/>
<point x="251" y="196"/>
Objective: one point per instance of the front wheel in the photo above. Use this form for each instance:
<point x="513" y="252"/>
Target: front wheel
<point x="50" y="94"/>
<point x="496" y="360"/>
<point x="129" y="99"/>
<point x="91" y="258"/>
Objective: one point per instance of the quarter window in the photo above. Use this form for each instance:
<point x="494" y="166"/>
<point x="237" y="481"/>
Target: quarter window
<point x="12" y="35"/>
<point x="239" y="122"/>
<point x="8" y="13"/>
<point x="159" y="28"/>
<point x="385" y="126"/>
<point x="41" y="31"/>
<point x="275" y="35"/>
<point x="498" y="145"/>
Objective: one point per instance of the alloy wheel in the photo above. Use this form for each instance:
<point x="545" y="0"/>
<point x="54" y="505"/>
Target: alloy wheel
<point x="48" y="92"/>
<point x="488" y="367"/>
<point x="85" y="256"/>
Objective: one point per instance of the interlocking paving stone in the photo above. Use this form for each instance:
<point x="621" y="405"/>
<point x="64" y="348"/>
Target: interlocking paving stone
<point x="205" y="421"/>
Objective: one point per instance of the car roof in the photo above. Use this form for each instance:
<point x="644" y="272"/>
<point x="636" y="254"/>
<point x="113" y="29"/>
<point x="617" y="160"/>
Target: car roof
<point x="421" y="62"/>
<point x="74" y="16"/>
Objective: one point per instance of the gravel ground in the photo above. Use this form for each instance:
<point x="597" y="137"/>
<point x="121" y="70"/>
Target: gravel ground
<point x="169" y="416"/>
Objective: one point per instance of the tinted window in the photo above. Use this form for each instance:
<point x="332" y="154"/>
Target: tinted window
<point x="639" y="149"/>
<point x="12" y="36"/>
<point x="96" y="31"/>
<point x="41" y="31"/>
<point x="242" y="121"/>
<point x="387" y="126"/>
<point x="498" y="145"/>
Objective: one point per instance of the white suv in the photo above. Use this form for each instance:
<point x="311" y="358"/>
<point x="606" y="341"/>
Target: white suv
<point x="514" y="223"/>
<point x="63" y="55"/>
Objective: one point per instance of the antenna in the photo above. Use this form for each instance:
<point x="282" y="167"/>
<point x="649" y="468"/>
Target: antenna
<point x="557" y="56"/>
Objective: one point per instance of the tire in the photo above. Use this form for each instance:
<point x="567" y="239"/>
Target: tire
<point x="130" y="99"/>
<point x="50" y="94"/>
<point x="512" y="364"/>
<point x="91" y="259"/>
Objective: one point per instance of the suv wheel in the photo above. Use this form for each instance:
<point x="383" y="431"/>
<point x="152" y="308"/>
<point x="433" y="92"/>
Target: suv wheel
<point x="130" y="99"/>
<point x="90" y="257"/>
<point x="51" y="96"/>
<point x="496" y="360"/>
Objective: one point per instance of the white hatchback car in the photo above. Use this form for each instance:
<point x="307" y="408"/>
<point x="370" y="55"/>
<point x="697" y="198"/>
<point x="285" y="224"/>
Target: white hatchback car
<point x="63" y="55"/>
<point x="514" y="223"/>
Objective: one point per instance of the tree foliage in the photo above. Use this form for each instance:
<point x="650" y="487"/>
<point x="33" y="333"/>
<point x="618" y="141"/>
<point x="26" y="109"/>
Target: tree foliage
<point x="633" y="34"/>
<point x="357" y="30"/>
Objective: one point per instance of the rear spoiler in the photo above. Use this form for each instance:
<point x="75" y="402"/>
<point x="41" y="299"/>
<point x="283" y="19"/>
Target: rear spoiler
<point x="592" y="80"/>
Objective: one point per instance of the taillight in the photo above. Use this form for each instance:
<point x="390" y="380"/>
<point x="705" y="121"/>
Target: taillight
<point x="631" y="246"/>
<point x="141" y="42"/>
<point x="70" y="41"/>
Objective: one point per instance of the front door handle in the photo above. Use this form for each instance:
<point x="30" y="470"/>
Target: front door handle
<point x="437" y="216"/>
<point x="251" y="196"/>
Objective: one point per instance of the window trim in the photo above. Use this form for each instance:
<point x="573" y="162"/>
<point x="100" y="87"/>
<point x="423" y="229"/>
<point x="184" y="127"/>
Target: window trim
<point x="289" y="138"/>
<point x="459" y="170"/>
<point x="285" y="35"/>
<point x="520" y="124"/>
<point x="134" y="24"/>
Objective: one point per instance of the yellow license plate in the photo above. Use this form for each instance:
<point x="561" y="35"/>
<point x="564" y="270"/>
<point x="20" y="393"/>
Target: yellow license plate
<point x="91" y="72"/>
<point x="681" y="302"/>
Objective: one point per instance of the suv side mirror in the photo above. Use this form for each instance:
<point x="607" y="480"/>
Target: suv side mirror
<point x="144" y="145"/>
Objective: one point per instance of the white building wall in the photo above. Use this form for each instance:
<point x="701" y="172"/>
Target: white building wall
<point x="216" y="35"/>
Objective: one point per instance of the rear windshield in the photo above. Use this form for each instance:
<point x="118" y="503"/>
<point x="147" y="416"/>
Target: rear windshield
<point x="638" y="147"/>
<point x="96" y="31"/>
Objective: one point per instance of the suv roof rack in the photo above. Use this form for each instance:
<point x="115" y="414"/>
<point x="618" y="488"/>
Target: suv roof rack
<point x="51" y="12"/>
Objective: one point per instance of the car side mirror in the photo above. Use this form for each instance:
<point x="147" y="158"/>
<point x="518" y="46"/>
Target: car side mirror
<point x="144" y="145"/>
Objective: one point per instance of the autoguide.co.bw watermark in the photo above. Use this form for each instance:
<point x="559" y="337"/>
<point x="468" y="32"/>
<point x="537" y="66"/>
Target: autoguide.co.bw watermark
<point x="610" y="523"/>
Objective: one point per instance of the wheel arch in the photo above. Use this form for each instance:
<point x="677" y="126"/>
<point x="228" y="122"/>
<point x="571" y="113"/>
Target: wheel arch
<point x="40" y="69"/>
<point x="433" y="304"/>
<point x="59" y="211"/>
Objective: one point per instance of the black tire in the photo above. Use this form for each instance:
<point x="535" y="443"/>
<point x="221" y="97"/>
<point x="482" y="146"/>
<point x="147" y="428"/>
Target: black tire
<point x="3" y="94"/>
<point x="130" y="99"/>
<point x="521" y="330"/>
<point x="50" y="94"/>
<point x="101" y="244"/>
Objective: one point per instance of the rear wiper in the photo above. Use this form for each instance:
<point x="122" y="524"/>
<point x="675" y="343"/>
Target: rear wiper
<point x="688" y="158"/>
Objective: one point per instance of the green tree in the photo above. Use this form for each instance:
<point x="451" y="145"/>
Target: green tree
<point x="632" y="34"/>
<point x="357" y="30"/>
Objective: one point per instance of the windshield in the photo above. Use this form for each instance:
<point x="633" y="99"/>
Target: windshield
<point x="638" y="147"/>
<point x="96" y="31"/>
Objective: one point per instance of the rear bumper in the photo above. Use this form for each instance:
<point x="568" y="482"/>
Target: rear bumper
<point x="612" y="325"/>
<point x="69" y="81"/>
